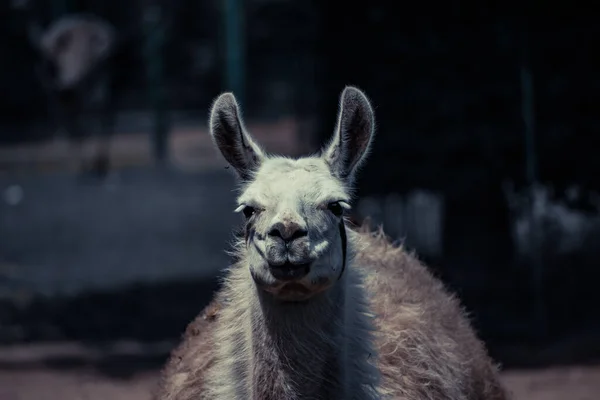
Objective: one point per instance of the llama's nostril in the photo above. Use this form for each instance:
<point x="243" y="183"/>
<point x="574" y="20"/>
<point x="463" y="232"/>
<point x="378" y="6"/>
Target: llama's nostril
<point x="298" y="234"/>
<point x="275" y="233"/>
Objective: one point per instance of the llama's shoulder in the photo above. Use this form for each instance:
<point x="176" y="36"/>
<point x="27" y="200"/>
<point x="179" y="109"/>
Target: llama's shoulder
<point x="390" y="268"/>
<point x="423" y="333"/>
<point x="404" y="292"/>
<point x="184" y="374"/>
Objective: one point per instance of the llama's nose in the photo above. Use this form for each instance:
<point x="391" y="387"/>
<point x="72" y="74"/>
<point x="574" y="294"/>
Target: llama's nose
<point x="288" y="231"/>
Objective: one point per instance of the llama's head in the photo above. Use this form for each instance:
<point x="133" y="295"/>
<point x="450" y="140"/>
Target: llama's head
<point x="75" y="45"/>
<point x="294" y="207"/>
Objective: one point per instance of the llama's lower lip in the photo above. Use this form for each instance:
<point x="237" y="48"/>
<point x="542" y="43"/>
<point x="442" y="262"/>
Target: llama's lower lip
<point x="289" y="271"/>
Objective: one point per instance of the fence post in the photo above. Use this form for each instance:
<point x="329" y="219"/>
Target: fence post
<point x="234" y="48"/>
<point x="60" y="8"/>
<point x="155" y="40"/>
<point x="528" y="115"/>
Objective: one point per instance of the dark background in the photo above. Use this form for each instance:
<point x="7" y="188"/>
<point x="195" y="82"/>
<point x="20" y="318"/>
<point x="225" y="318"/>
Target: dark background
<point x="136" y="255"/>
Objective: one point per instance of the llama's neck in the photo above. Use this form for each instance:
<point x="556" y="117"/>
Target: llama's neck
<point x="321" y="349"/>
<point x="298" y="350"/>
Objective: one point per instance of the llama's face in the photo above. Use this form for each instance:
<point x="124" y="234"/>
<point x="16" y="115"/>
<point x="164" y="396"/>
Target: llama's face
<point x="74" y="47"/>
<point x="294" y="208"/>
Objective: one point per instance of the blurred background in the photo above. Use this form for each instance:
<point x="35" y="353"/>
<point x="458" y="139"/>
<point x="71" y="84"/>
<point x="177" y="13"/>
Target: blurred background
<point x="116" y="211"/>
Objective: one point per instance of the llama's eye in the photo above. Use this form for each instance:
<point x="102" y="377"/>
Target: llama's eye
<point x="336" y="208"/>
<point x="249" y="211"/>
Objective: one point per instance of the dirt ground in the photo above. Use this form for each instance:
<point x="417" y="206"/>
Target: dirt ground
<point x="575" y="383"/>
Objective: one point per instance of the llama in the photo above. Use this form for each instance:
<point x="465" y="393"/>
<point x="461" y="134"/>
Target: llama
<point x="75" y="54"/>
<point x="312" y="309"/>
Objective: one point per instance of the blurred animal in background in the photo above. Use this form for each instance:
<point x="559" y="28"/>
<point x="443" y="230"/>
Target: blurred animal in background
<point x="75" y="68"/>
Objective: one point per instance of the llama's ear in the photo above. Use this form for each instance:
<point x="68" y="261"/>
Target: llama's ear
<point x="230" y="136"/>
<point x="353" y="134"/>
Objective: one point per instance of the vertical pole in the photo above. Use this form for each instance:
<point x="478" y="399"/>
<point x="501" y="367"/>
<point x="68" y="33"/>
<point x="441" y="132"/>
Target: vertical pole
<point x="327" y="81"/>
<point x="155" y="39"/>
<point x="528" y="114"/>
<point x="527" y="110"/>
<point x="60" y="8"/>
<point x="234" y="48"/>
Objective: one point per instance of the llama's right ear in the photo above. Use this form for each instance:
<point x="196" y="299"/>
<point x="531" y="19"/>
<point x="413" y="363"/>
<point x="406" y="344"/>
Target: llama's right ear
<point x="353" y="134"/>
<point x="230" y="136"/>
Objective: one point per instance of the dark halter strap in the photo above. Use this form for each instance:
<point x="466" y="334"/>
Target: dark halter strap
<point x="344" y="246"/>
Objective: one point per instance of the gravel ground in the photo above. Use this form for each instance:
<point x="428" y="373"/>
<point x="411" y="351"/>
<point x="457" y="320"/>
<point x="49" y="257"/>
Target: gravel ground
<point x="575" y="383"/>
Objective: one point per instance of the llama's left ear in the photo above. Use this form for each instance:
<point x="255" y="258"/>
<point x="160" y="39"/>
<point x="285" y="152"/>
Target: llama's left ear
<point x="352" y="138"/>
<point x="230" y="136"/>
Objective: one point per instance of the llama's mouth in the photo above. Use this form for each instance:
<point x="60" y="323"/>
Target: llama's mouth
<point x="289" y="272"/>
<point x="289" y="282"/>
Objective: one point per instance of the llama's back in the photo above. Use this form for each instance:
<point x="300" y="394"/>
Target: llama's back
<point x="184" y="375"/>
<point x="426" y="345"/>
